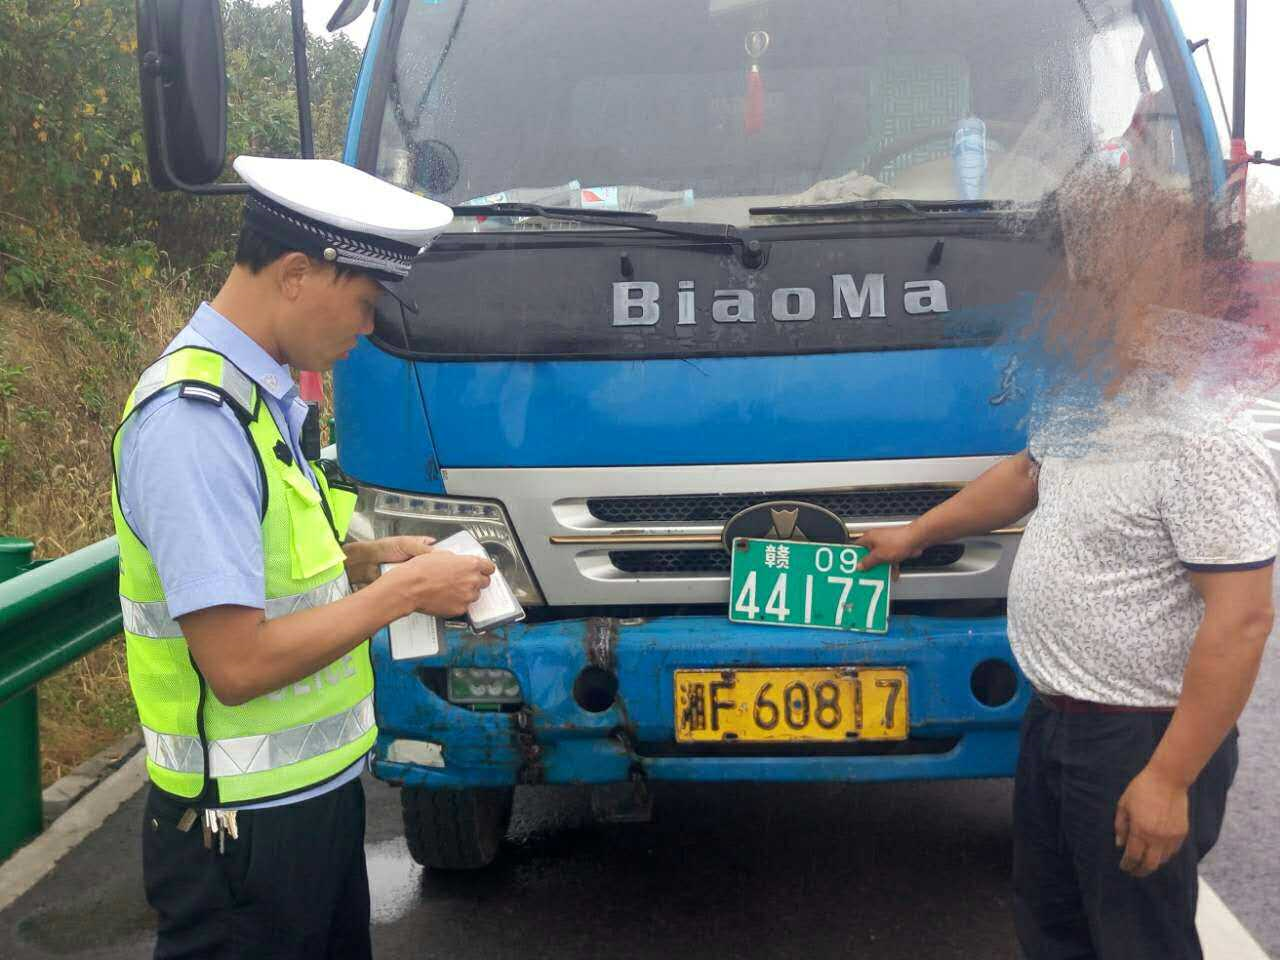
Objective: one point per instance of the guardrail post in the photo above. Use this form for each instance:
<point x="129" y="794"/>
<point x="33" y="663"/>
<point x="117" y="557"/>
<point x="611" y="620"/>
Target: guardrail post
<point x="21" y="813"/>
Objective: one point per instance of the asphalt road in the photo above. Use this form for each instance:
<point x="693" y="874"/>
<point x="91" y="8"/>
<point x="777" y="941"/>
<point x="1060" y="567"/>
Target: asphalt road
<point x="884" y="871"/>
<point x="1244" y="868"/>
<point x="873" y="871"/>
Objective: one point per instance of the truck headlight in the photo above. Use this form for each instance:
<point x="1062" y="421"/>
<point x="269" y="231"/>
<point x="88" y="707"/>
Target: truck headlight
<point x="384" y="513"/>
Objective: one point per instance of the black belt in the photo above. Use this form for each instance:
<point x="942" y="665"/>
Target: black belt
<point x="1065" y="704"/>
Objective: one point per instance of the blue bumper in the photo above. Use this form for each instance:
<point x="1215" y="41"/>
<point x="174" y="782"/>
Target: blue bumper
<point x="553" y="740"/>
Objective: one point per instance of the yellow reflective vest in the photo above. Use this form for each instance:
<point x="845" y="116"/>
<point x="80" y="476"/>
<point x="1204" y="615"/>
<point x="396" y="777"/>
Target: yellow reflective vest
<point x="285" y="741"/>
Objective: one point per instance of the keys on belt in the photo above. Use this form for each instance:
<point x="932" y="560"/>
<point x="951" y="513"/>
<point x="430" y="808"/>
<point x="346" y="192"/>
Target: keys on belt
<point x="214" y="823"/>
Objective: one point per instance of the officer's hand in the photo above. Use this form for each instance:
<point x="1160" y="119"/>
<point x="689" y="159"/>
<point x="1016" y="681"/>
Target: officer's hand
<point x="1151" y="822"/>
<point x="364" y="558"/>
<point x="439" y="582"/>
<point x="888" y="545"/>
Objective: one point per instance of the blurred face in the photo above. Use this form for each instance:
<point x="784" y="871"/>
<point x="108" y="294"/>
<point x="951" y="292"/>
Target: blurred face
<point x="326" y="316"/>
<point x="1134" y="254"/>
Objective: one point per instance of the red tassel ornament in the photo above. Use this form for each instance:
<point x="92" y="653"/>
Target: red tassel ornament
<point x="753" y="115"/>
<point x="757" y="43"/>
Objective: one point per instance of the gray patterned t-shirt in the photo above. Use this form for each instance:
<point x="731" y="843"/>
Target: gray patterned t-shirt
<point x="1101" y="606"/>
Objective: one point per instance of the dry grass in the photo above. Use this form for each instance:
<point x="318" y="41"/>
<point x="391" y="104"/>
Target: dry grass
<point x="66" y="386"/>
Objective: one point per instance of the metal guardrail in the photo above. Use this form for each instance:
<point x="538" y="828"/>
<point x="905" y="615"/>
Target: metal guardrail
<point x="51" y="614"/>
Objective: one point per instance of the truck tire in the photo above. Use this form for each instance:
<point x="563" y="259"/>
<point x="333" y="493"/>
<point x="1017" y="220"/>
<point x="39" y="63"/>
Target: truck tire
<point x="455" y="829"/>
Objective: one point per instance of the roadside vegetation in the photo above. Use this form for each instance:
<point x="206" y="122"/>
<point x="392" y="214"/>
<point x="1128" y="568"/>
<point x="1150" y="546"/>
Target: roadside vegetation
<point x="98" y="271"/>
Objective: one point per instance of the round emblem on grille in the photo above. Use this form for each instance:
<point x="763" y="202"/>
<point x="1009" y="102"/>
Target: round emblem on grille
<point x="785" y="520"/>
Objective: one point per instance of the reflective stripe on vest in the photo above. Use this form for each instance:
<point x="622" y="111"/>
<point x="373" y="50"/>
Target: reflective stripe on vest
<point x="156" y="377"/>
<point x="152" y="619"/>
<point x="237" y="755"/>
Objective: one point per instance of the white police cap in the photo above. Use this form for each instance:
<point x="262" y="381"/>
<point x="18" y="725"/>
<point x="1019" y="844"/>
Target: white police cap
<point x="340" y="214"/>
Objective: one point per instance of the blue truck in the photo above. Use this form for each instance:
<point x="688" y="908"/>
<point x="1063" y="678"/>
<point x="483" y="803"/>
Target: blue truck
<point x="716" y="264"/>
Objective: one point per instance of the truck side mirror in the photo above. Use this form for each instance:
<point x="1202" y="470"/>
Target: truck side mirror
<point x="183" y="76"/>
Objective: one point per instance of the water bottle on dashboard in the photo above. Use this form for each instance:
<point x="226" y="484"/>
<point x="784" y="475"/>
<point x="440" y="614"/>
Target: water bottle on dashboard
<point x="969" y="158"/>
<point x="563" y="195"/>
<point x="633" y="198"/>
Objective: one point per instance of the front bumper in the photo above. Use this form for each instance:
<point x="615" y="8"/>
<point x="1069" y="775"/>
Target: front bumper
<point x="552" y="739"/>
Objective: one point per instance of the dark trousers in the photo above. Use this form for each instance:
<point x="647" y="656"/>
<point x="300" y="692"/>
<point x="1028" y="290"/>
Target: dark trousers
<point x="1071" y="899"/>
<point x="292" y="886"/>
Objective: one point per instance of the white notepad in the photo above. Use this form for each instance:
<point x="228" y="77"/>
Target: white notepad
<point x="418" y="634"/>
<point x="497" y="604"/>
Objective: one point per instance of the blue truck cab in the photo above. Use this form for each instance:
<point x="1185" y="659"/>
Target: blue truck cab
<point x="812" y="231"/>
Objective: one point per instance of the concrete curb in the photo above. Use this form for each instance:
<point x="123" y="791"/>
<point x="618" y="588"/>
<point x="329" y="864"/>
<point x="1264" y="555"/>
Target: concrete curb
<point x="29" y="865"/>
<point x="59" y="796"/>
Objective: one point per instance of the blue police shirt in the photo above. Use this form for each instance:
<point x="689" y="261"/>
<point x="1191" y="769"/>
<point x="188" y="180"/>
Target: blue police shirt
<point x="189" y="486"/>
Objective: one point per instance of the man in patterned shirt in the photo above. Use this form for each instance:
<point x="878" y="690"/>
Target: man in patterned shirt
<point x="1139" y="605"/>
<point x="1140" y="602"/>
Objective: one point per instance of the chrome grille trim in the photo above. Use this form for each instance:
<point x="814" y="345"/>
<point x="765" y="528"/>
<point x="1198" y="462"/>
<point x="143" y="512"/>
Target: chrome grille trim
<point x="716" y="561"/>
<point x="895" y="503"/>
<point x="549" y="512"/>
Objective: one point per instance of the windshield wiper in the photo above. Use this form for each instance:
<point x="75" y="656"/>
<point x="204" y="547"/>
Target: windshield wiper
<point x="918" y="208"/>
<point x="575" y="214"/>
<point x="691" y="230"/>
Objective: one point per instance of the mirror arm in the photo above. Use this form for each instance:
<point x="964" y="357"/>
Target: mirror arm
<point x="1193" y="47"/>
<point x="1254" y="158"/>
<point x="302" y="81"/>
<point x="162" y="128"/>
<point x="1241" y="50"/>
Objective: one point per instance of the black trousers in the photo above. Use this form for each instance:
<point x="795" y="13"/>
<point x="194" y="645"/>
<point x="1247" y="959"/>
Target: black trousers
<point x="292" y="886"/>
<point x="1071" y="899"/>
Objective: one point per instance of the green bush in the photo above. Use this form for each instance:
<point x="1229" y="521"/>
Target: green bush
<point x="81" y="230"/>
<point x="98" y="270"/>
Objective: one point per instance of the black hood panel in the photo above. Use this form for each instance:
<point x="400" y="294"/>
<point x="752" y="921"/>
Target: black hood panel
<point x="539" y="296"/>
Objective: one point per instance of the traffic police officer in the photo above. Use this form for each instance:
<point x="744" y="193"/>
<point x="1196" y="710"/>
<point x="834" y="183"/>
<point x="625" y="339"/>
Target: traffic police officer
<point x="247" y="649"/>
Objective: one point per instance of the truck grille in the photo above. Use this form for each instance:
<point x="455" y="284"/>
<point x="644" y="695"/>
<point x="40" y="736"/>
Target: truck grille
<point x="642" y="536"/>
<point x="717" y="561"/>
<point x="851" y="505"/>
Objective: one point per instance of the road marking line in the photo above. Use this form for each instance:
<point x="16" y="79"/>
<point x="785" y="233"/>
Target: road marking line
<point x="29" y="865"/>
<point x="1222" y="935"/>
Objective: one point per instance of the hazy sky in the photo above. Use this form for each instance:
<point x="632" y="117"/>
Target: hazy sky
<point x="1200" y="18"/>
<point x="1215" y="19"/>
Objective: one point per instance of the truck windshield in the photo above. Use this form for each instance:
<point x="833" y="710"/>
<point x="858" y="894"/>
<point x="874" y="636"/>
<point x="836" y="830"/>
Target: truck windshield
<point x="700" y="110"/>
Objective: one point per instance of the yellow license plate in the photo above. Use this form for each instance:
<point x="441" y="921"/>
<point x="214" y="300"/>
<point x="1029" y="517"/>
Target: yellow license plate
<point x="798" y="706"/>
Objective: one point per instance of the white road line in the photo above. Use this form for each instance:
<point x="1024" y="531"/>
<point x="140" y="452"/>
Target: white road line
<point x="1221" y="934"/>
<point x="25" y="868"/>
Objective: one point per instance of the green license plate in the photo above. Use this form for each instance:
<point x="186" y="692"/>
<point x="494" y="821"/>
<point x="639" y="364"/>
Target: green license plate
<point x="798" y="584"/>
